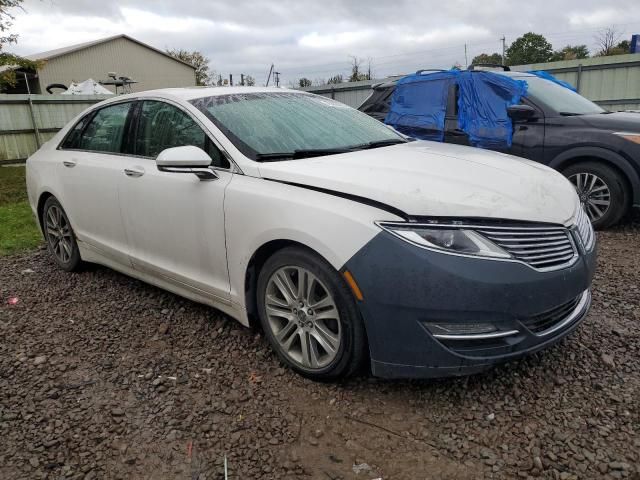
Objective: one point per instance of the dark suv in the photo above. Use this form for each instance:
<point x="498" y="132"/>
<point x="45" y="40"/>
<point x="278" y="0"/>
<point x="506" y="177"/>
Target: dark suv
<point x="599" y="151"/>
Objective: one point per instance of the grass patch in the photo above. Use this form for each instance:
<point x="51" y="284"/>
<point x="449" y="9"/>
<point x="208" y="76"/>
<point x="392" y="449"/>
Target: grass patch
<point x="18" y="229"/>
<point x="12" y="185"/>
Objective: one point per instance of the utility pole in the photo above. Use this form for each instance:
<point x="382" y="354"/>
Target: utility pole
<point x="276" y="76"/>
<point x="242" y="79"/>
<point x="231" y="80"/>
<point x="269" y="77"/>
<point x="466" y="61"/>
<point x="504" y="49"/>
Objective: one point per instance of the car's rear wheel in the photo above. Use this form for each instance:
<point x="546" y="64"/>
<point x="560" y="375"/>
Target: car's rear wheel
<point x="61" y="241"/>
<point x="309" y="315"/>
<point x="602" y="191"/>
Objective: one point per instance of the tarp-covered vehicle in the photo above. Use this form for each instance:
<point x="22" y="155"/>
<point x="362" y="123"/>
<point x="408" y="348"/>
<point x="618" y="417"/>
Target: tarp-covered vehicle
<point x="530" y="115"/>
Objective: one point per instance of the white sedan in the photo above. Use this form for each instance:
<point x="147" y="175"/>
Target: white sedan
<point x="345" y="242"/>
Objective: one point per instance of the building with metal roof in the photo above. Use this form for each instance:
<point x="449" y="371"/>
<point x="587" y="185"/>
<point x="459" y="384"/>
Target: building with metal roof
<point x="110" y="61"/>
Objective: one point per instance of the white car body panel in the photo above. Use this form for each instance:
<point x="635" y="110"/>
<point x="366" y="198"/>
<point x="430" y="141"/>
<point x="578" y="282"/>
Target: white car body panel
<point x="196" y="238"/>
<point x="434" y="179"/>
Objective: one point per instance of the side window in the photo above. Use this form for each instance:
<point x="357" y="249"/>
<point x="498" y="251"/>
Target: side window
<point x="105" y="131"/>
<point x="161" y="126"/>
<point x="72" y="139"/>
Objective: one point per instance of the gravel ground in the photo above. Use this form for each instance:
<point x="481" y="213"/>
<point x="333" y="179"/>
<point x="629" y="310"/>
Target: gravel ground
<point x="102" y="376"/>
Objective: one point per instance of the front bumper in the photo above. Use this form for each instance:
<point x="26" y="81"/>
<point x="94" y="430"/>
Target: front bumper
<point x="406" y="289"/>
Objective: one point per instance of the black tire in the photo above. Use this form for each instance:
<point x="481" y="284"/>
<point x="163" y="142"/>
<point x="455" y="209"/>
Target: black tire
<point x="70" y="260"/>
<point x="619" y="192"/>
<point x="353" y="344"/>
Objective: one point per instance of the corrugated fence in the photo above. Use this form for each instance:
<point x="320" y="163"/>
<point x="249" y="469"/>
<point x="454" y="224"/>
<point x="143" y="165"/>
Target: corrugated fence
<point x="29" y="121"/>
<point x="612" y="82"/>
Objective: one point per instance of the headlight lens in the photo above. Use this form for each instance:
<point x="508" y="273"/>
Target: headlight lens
<point x="632" y="137"/>
<point x="461" y="241"/>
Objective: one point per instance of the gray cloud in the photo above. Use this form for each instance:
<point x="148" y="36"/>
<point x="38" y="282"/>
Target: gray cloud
<point x="316" y="38"/>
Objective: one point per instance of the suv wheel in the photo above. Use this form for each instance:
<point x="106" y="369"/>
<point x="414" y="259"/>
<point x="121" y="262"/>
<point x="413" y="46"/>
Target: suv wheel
<point x="602" y="191"/>
<point x="309" y="315"/>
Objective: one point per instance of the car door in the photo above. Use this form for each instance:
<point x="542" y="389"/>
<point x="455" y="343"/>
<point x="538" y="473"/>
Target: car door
<point x="528" y="135"/>
<point x="175" y="221"/>
<point x="91" y="163"/>
<point x="452" y="131"/>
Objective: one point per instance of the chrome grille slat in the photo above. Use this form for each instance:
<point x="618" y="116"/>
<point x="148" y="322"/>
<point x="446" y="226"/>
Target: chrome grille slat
<point x="529" y="251"/>
<point x="537" y="245"/>
<point x="528" y="239"/>
<point x="547" y="255"/>
<point x="544" y="248"/>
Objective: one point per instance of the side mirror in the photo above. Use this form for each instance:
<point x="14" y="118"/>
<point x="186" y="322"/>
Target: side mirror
<point x="521" y="112"/>
<point x="187" y="159"/>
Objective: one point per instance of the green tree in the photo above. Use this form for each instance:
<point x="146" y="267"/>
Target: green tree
<point x="8" y="77"/>
<point x="249" y="81"/>
<point x="199" y="61"/>
<point x="529" y="48"/>
<point x="304" y="82"/>
<point x="484" y="58"/>
<point x="570" y="52"/>
<point x="335" y="79"/>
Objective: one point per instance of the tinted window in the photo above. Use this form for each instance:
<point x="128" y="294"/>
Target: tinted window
<point x="105" y="131"/>
<point x="559" y="98"/>
<point x="73" y="137"/>
<point x="162" y="126"/>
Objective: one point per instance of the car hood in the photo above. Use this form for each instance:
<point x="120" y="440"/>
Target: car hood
<point x="424" y="178"/>
<point x="617" y="121"/>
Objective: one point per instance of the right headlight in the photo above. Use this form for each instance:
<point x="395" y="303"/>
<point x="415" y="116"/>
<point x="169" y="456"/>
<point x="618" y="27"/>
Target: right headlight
<point x="447" y="239"/>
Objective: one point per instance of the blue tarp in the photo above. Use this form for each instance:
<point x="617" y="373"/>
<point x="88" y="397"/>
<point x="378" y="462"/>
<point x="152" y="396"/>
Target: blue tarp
<point x="419" y="106"/>
<point x="482" y="106"/>
<point x="551" y="78"/>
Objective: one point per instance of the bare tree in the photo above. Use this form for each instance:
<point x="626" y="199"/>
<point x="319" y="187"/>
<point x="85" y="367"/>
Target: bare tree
<point x="607" y="40"/>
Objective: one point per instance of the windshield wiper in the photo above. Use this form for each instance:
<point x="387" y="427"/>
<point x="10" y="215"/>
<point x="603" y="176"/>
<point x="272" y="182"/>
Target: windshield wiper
<point x="301" y="153"/>
<point x="381" y="143"/>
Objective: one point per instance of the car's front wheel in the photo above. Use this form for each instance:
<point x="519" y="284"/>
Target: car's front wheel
<point x="602" y="191"/>
<point x="309" y="315"/>
<point x="61" y="241"/>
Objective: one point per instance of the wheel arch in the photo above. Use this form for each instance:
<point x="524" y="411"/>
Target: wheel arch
<point x="42" y="199"/>
<point x="256" y="262"/>
<point x="613" y="159"/>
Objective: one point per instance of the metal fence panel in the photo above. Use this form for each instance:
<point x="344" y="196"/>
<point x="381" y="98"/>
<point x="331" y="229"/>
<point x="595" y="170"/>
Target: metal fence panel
<point x="50" y="113"/>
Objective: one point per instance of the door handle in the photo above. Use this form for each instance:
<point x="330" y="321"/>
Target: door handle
<point x="69" y="163"/>
<point x="134" y="172"/>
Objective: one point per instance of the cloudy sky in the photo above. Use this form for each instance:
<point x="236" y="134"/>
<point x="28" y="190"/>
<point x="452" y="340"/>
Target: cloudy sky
<point x="316" y="38"/>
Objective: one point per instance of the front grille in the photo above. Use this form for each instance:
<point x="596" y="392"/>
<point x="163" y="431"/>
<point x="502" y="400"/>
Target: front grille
<point x="585" y="229"/>
<point x="545" y="248"/>
<point x="544" y="321"/>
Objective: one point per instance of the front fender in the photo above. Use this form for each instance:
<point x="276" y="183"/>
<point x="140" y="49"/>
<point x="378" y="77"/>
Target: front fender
<point x="258" y="211"/>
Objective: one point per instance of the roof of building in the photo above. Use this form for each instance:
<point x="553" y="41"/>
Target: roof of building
<point x="58" y="52"/>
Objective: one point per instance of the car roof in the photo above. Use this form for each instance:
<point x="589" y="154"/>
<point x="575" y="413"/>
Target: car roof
<point x="513" y="74"/>
<point x="190" y="93"/>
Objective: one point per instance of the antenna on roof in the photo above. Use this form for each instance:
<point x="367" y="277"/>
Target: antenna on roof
<point x="269" y="77"/>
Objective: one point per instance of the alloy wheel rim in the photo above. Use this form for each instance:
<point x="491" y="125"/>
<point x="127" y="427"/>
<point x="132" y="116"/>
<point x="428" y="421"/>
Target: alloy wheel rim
<point x="303" y="317"/>
<point x="594" y="193"/>
<point x="59" y="234"/>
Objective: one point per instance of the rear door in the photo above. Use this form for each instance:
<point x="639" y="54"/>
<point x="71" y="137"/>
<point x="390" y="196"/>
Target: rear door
<point x="90" y="168"/>
<point x="452" y="131"/>
<point x="174" y="221"/>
